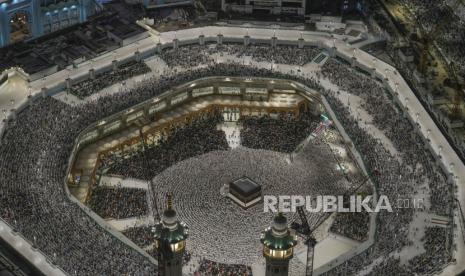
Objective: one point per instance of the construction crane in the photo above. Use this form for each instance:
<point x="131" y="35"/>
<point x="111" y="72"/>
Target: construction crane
<point x="307" y="232"/>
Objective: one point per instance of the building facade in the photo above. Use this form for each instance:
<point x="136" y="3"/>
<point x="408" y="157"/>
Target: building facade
<point x="273" y="7"/>
<point x="332" y="7"/>
<point x="27" y="19"/>
<point x="291" y="7"/>
<point x="154" y="4"/>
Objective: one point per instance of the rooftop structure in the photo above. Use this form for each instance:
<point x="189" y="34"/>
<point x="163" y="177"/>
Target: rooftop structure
<point x="28" y="19"/>
<point x="276" y="7"/>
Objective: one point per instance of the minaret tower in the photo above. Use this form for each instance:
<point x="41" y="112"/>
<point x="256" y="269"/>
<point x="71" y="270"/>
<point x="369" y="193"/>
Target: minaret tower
<point x="278" y="246"/>
<point x="170" y="241"/>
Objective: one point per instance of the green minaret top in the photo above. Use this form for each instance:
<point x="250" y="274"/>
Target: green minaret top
<point x="170" y="230"/>
<point x="277" y="240"/>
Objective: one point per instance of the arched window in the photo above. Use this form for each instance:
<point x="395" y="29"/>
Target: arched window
<point x="73" y="15"/>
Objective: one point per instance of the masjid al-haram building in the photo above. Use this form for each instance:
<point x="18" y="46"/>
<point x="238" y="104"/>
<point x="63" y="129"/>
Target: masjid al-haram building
<point x="232" y="138"/>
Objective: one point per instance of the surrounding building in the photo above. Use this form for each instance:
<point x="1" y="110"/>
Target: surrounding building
<point x="27" y="19"/>
<point x="290" y="7"/>
<point x="278" y="247"/>
<point x="331" y="7"/>
<point x="266" y="7"/>
<point x="152" y="4"/>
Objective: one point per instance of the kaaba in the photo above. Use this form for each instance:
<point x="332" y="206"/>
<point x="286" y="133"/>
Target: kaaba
<point x="245" y="192"/>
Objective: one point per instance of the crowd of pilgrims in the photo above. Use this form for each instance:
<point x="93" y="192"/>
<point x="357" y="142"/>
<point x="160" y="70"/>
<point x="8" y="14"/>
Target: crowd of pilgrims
<point x="207" y="267"/>
<point x="435" y="241"/>
<point x="183" y="142"/>
<point x="142" y="236"/>
<point x="123" y="72"/>
<point x="352" y="225"/>
<point x="451" y="38"/>
<point x="313" y="171"/>
<point x="281" y="134"/>
<point x="394" y="128"/>
<point x="195" y="138"/>
<point x="194" y="55"/>
<point x="389" y="265"/>
<point x="398" y="176"/>
<point x="118" y="202"/>
<point x="36" y="146"/>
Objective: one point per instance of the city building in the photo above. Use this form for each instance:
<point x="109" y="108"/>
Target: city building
<point x="265" y="7"/>
<point x="291" y="7"/>
<point x="331" y="7"/>
<point x="27" y="19"/>
<point x="153" y="4"/>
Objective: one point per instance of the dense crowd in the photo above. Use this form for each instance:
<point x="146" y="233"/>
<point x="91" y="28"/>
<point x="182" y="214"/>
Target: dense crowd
<point x="436" y="254"/>
<point x="352" y="225"/>
<point x="390" y="266"/>
<point x="281" y="54"/>
<point x="36" y="146"/>
<point x="451" y="37"/>
<point x="198" y="137"/>
<point x="140" y="235"/>
<point x="445" y="28"/>
<point x="32" y="172"/>
<point x="191" y="56"/>
<point x="312" y="172"/>
<point x="118" y="202"/>
<point x="194" y="55"/>
<point x="281" y="134"/>
<point x="208" y="267"/>
<point x="420" y="166"/>
<point x="125" y="71"/>
<point x="194" y="155"/>
<point x="431" y="261"/>
<point x="399" y="176"/>
<point x="35" y="150"/>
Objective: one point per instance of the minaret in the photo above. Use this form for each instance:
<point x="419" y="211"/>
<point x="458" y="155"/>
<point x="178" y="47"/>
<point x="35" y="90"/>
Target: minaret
<point x="278" y="246"/>
<point x="170" y="241"/>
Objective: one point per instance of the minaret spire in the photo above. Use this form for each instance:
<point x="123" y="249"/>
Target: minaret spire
<point x="278" y="246"/>
<point x="170" y="236"/>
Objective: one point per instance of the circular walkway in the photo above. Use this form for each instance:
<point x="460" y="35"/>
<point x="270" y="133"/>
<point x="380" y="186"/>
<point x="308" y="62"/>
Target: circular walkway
<point x="222" y="231"/>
